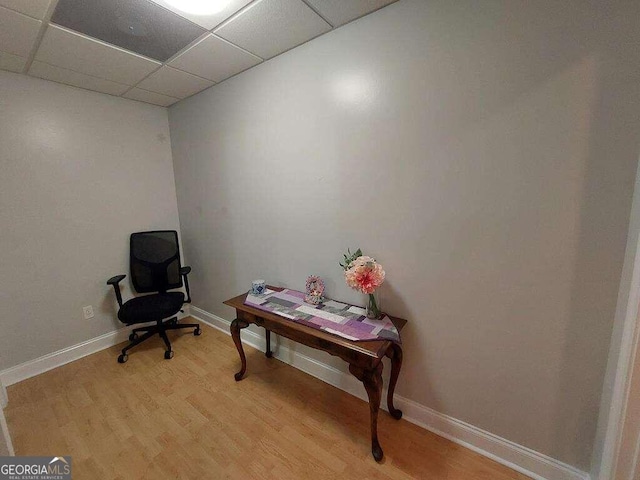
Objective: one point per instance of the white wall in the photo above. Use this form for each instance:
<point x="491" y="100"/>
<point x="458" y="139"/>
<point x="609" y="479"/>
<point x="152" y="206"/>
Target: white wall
<point x="484" y="152"/>
<point x="79" y="172"/>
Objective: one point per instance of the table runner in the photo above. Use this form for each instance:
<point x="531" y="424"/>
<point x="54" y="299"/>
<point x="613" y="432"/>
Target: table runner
<point x="333" y="317"/>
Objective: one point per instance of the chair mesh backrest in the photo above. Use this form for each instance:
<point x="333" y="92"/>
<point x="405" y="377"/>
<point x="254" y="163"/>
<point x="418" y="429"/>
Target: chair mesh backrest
<point x="154" y="261"/>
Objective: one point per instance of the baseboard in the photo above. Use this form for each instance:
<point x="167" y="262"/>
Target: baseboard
<point x="61" y="357"/>
<point x="4" y="434"/>
<point x="4" y="429"/>
<point x="521" y="459"/>
<point x="517" y="457"/>
<point x="4" y="398"/>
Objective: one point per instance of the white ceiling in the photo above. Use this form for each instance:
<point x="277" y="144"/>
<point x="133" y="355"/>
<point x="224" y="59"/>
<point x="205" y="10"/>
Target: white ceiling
<point x="242" y="35"/>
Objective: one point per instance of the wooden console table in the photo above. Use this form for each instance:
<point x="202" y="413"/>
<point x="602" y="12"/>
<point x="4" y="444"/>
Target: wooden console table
<point x="364" y="358"/>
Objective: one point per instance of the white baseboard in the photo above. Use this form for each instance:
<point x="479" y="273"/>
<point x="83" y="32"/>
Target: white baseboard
<point x="4" y="434"/>
<point x="53" y="360"/>
<point x="521" y="459"/>
<point x="61" y="357"/>
<point x="517" y="457"/>
<point x="4" y="429"/>
<point x="4" y="399"/>
<point x="48" y="362"/>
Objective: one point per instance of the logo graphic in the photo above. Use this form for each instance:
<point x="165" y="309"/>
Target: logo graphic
<point x="35" y="468"/>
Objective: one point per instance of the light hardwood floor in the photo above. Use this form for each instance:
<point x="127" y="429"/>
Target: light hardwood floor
<point x="187" y="418"/>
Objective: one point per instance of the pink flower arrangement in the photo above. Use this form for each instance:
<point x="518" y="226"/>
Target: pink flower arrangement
<point x="364" y="274"/>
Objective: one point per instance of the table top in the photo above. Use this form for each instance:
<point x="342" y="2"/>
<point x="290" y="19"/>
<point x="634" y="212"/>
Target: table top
<point x="371" y="348"/>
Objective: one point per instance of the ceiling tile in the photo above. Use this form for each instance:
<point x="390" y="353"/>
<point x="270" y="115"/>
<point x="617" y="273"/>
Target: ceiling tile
<point x="215" y="59"/>
<point x="33" y="8"/>
<point x="174" y="83"/>
<point x="219" y="10"/>
<point x="339" y="12"/>
<point x="135" y="25"/>
<point x="17" y="32"/>
<point x="69" y="77"/>
<point x="270" y="27"/>
<point x="10" y="62"/>
<point x="150" y="97"/>
<point x="76" y="52"/>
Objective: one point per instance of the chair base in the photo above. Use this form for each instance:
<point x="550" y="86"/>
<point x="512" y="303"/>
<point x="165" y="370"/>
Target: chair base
<point x="159" y="328"/>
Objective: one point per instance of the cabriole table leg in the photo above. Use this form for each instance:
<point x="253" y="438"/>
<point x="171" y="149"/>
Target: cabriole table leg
<point x="372" y="380"/>
<point x="235" y="328"/>
<point x="395" y="354"/>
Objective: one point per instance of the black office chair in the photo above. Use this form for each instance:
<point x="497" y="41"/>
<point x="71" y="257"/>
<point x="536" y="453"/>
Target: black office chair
<point x="154" y="262"/>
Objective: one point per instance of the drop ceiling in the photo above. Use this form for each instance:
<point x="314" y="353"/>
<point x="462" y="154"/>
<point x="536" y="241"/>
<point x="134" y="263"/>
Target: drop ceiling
<point x="150" y="51"/>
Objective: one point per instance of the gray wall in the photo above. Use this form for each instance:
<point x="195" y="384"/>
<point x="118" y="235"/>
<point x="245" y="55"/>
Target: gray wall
<point x="483" y="152"/>
<point x="79" y="172"/>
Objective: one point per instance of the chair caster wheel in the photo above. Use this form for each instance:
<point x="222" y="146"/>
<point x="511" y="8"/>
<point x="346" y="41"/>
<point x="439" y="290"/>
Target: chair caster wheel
<point x="173" y="322"/>
<point x="123" y="358"/>
<point x="133" y="336"/>
<point x="168" y="355"/>
<point x="197" y="332"/>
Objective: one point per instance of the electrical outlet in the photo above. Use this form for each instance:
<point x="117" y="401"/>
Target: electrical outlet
<point x="88" y="312"/>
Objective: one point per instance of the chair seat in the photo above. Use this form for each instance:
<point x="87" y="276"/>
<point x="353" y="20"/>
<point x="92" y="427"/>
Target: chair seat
<point x="150" y="308"/>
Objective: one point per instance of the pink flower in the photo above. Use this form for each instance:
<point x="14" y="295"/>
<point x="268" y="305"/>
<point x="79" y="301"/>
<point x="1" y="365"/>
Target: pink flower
<point x="364" y="274"/>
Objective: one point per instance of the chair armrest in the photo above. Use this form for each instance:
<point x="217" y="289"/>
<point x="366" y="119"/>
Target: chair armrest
<point x="115" y="281"/>
<point x="184" y="271"/>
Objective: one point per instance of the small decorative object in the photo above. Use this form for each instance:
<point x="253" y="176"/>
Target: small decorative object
<point x="258" y="287"/>
<point x="364" y="274"/>
<point x="314" y="290"/>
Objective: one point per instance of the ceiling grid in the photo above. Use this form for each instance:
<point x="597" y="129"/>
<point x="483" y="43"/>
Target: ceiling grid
<point x="150" y="50"/>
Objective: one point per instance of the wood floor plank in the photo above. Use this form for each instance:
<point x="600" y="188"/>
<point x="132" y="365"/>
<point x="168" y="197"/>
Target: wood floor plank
<point x="187" y="418"/>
